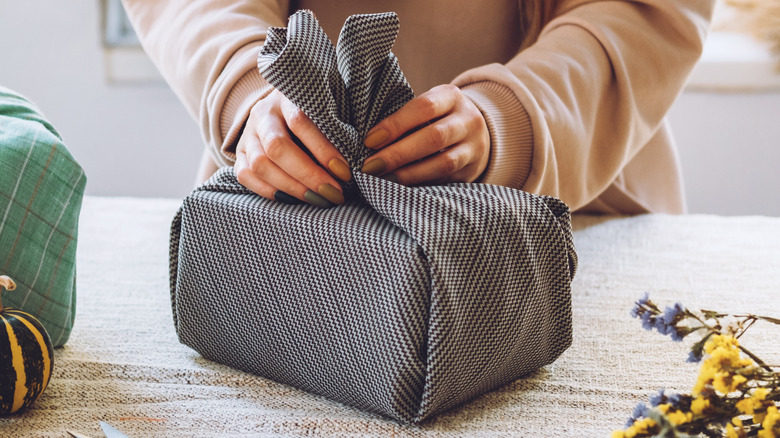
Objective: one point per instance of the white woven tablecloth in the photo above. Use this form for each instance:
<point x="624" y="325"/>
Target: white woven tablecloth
<point x="124" y="365"/>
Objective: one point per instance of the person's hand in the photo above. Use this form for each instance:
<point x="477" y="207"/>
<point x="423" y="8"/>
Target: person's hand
<point x="436" y="138"/>
<point x="271" y="164"/>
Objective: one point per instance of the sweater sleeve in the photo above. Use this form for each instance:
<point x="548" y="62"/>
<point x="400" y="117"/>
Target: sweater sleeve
<point x="207" y="52"/>
<point x="568" y="113"/>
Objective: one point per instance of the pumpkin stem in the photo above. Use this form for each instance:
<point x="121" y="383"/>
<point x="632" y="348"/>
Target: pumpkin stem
<point x="5" y="283"/>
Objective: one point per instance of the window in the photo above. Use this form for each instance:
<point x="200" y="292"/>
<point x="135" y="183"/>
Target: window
<point x="741" y="51"/>
<point x="118" y="31"/>
<point x="125" y="60"/>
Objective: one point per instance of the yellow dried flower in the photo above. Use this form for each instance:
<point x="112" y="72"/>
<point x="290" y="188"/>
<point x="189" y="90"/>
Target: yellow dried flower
<point x="727" y="382"/>
<point x="760" y="394"/>
<point x="755" y="402"/>
<point x="699" y="405"/>
<point x="641" y="426"/>
<point x="725" y="351"/>
<point x="719" y="369"/>
<point x="706" y="375"/>
<point x="679" y="417"/>
<point x="745" y="406"/>
<point x="732" y="432"/>
<point x="732" y="382"/>
<point x="770" y="424"/>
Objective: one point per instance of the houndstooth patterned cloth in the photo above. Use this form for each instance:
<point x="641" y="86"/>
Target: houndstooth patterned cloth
<point x="404" y="301"/>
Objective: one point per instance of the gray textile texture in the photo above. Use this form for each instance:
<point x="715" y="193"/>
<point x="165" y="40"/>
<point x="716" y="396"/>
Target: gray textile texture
<point x="344" y="90"/>
<point x="404" y="301"/>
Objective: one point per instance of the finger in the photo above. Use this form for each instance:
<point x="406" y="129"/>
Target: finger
<point x="431" y="105"/>
<point x="315" y="141"/>
<point x="280" y="149"/>
<point x="447" y="166"/>
<point x="420" y="144"/>
<point x="249" y="179"/>
<point x="267" y="171"/>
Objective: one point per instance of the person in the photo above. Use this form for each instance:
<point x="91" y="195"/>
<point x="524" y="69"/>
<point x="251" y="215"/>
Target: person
<point x="566" y="98"/>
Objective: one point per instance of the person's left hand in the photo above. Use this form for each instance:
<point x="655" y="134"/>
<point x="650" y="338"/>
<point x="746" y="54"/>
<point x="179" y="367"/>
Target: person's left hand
<point x="436" y="138"/>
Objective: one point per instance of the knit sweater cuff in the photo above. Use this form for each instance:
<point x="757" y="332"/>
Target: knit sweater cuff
<point x="249" y="89"/>
<point x="511" y="134"/>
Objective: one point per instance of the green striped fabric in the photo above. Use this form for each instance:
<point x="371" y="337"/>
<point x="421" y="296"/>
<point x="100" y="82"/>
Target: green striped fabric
<point x="41" y="188"/>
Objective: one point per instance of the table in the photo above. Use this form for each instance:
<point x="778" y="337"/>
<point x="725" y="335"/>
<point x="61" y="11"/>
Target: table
<point x="123" y="363"/>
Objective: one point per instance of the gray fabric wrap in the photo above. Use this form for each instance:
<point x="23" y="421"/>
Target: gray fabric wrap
<point x="404" y="301"/>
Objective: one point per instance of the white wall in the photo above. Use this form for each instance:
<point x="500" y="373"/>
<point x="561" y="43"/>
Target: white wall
<point x="730" y="150"/>
<point x="132" y="140"/>
<point x="137" y="140"/>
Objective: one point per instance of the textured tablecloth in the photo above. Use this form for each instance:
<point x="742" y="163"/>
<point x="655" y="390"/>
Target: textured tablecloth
<point x="123" y="363"/>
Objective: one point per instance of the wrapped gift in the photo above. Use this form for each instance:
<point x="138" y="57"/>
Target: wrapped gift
<point x="41" y="189"/>
<point x="403" y="301"/>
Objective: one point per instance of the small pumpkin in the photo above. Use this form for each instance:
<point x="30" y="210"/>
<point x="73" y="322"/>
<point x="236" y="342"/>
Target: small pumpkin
<point x="26" y="356"/>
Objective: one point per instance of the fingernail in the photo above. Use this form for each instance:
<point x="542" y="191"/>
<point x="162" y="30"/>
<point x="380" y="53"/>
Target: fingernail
<point x="331" y="193"/>
<point x="374" y="166"/>
<point x="316" y="200"/>
<point x="391" y="177"/>
<point x="375" y="138"/>
<point x="285" y="198"/>
<point x="340" y="169"/>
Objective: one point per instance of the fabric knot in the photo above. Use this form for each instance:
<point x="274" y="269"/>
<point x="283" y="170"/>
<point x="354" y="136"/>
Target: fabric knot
<point x="345" y="90"/>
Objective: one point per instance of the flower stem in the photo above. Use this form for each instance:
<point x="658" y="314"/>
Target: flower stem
<point x="756" y="359"/>
<point x="5" y="283"/>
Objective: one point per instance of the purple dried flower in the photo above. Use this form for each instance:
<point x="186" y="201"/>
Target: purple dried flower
<point x="658" y="398"/>
<point x="677" y="334"/>
<point x="673" y="314"/>
<point x="662" y="326"/>
<point x="648" y="321"/>
<point x="638" y="308"/>
<point x="640" y="411"/>
<point x="664" y="322"/>
<point x="694" y="356"/>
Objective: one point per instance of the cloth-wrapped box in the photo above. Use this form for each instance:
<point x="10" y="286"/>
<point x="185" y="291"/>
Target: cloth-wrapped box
<point x="388" y="310"/>
<point x="404" y="301"/>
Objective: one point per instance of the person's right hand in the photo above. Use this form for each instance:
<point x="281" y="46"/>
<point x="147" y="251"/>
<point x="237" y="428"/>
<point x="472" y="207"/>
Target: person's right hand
<point x="271" y="164"/>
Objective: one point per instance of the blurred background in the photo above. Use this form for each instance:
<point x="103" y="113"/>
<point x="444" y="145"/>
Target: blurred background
<point x="80" y="63"/>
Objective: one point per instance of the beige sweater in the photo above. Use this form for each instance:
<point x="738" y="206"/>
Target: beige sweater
<point x="579" y="115"/>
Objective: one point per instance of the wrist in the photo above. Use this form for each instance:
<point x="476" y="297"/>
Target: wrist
<point x="511" y="134"/>
<point x="247" y="91"/>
